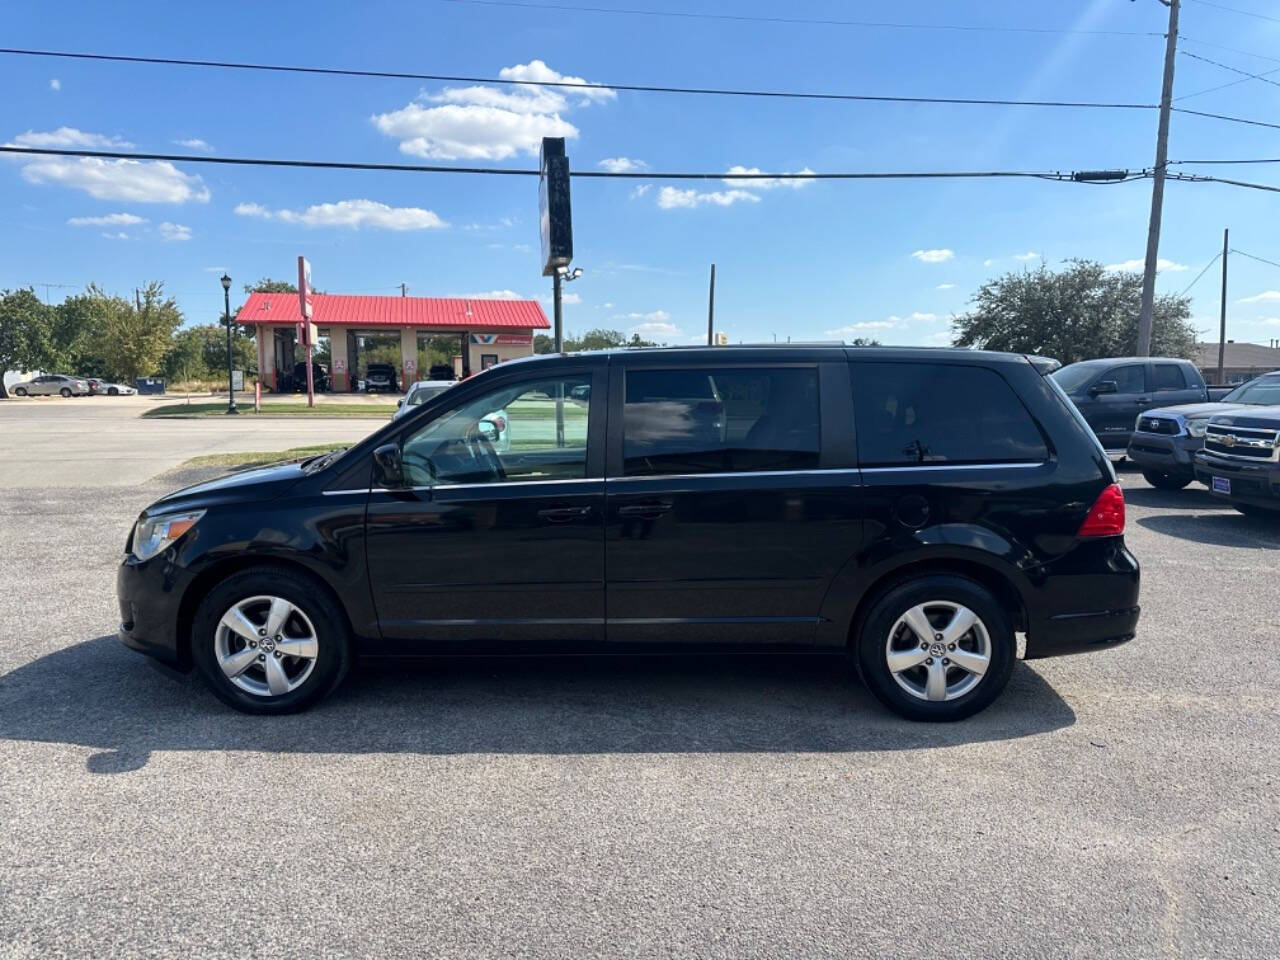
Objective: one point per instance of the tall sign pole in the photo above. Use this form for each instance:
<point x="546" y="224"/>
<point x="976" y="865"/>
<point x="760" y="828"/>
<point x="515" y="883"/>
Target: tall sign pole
<point x="555" y="221"/>
<point x="1157" y="186"/>
<point x="711" y="310"/>
<point x="1222" y="313"/>
<point x="306" y="327"/>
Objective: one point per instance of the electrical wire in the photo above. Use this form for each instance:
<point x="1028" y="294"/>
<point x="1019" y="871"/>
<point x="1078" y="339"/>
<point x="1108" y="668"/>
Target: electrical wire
<point x="1270" y="263"/>
<point x="1205" y="178"/>
<point x="745" y="18"/>
<point x="1245" y="76"/>
<point x="1243" y="13"/>
<point x="1230" y="119"/>
<point x="1216" y="257"/>
<point x="516" y="172"/>
<point x="1183" y="38"/>
<point x="569" y="85"/>
<point x="1259" y="160"/>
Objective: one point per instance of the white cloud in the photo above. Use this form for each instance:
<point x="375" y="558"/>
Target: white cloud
<point x="117" y="236"/>
<point x="489" y="295"/>
<point x="934" y="256"/>
<point x="939" y="338"/>
<point x="69" y="137"/>
<point x="488" y="123"/>
<point x="1161" y="264"/>
<point x="355" y="214"/>
<point x="1266" y="296"/>
<point x="1029" y="255"/>
<point x="916" y="317"/>
<point x="672" y="198"/>
<point x="641" y="190"/>
<point x="946" y="286"/>
<point x="174" y="231"/>
<point x="137" y="181"/>
<point x="55" y="84"/>
<point x="622" y="165"/>
<point x="856" y="329"/>
<point x="568" y="299"/>
<point x="109" y="220"/>
<point x="767" y="183"/>
<point x="988" y="262"/>
<point x="522" y="247"/>
<point x="195" y="143"/>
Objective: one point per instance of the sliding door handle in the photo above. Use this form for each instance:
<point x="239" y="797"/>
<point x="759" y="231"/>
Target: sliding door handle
<point x="564" y="514"/>
<point x="649" y="510"/>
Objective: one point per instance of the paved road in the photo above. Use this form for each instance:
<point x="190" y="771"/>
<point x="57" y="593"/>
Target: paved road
<point x="102" y="441"/>
<point x="1122" y="804"/>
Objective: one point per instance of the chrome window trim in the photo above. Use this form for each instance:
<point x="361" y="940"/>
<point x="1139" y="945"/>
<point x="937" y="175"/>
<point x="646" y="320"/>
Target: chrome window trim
<point x="942" y="465"/>
<point x="342" y="493"/>
<point x="733" y="473"/>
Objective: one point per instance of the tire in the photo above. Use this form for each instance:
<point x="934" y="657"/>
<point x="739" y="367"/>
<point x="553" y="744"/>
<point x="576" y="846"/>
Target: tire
<point x="908" y="692"/>
<point x="65" y="391"/>
<point x="306" y="678"/>
<point x="113" y="392"/>
<point x="20" y="392"/>
<point x="1165" y="481"/>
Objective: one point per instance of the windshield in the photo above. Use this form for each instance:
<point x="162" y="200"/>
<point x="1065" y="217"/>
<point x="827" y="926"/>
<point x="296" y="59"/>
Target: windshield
<point x="423" y="394"/>
<point x="1264" y="391"/>
<point x="1075" y="376"/>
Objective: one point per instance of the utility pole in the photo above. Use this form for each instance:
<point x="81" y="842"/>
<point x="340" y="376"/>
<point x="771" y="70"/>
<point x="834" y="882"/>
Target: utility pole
<point x="137" y="299"/>
<point x="1222" y="312"/>
<point x="1157" y="186"/>
<point x="404" y="290"/>
<point x="711" y="310"/>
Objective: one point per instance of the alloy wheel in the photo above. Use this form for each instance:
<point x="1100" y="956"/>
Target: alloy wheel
<point x="266" y="646"/>
<point x="938" y="650"/>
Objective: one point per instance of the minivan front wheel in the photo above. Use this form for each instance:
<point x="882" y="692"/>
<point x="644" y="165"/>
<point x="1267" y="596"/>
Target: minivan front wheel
<point x="269" y="641"/>
<point x="936" y="648"/>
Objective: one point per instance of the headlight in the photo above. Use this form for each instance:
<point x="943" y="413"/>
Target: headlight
<point x="154" y="534"/>
<point x="1196" y="428"/>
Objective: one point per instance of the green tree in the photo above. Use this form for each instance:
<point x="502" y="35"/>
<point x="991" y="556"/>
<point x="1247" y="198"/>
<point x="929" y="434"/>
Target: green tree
<point x="185" y="358"/>
<point x="267" y="285"/>
<point x="1078" y="313"/>
<point x="596" y="339"/>
<point x="134" y="341"/>
<point x="25" y="331"/>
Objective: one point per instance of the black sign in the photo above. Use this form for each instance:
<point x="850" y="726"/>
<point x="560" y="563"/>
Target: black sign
<point x="554" y="215"/>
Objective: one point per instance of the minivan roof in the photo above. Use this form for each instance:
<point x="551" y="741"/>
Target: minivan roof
<point x="1099" y="361"/>
<point x="784" y="351"/>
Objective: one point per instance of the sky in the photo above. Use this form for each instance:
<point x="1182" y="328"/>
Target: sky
<point x="891" y="260"/>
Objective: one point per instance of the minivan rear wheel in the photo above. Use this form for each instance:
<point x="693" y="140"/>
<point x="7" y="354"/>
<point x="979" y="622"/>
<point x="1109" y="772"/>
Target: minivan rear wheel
<point x="1165" y="481"/>
<point x="270" y="641"/>
<point x="936" y="648"/>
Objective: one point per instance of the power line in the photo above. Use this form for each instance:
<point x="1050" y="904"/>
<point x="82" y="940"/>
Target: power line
<point x="1205" y="178"/>
<point x="1245" y="75"/>
<point x="744" y="18"/>
<point x="1124" y="176"/>
<point x="1252" y="161"/>
<point x="1243" y="13"/>
<point x="1271" y="263"/>
<point x="1229" y="119"/>
<point x="1216" y="257"/>
<point x="1218" y="46"/>
<point x="563" y="84"/>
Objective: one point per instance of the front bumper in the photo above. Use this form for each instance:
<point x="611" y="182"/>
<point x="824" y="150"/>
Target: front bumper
<point x="1164" y="452"/>
<point x="150" y="593"/>
<point x="1086" y="600"/>
<point x="1251" y="483"/>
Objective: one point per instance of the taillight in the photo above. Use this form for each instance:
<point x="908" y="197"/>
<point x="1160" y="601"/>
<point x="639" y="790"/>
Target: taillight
<point x="1106" y="516"/>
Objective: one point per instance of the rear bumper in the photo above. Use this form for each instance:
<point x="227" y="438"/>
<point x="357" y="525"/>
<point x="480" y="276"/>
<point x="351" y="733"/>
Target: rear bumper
<point x="1251" y="483"/>
<point x="1088" y="600"/>
<point x="1168" y="454"/>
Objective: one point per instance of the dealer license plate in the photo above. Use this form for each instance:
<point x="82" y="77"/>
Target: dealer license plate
<point x="1221" y="485"/>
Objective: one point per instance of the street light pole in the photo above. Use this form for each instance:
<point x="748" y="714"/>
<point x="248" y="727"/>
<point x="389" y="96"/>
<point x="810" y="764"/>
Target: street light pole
<point x="231" y="383"/>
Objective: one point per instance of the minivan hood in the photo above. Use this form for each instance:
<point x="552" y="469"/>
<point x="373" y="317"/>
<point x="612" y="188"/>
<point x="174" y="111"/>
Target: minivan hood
<point x="260" y="483"/>
<point x="1189" y="410"/>
<point x="1265" y="418"/>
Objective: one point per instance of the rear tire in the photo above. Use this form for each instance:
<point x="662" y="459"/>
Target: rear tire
<point x="926" y="680"/>
<point x="113" y="392"/>
<point x="1165" y="481"/>
<point x="65" y="391"/>
<point x="20" y="392"/>
<point x="315" y="627"/>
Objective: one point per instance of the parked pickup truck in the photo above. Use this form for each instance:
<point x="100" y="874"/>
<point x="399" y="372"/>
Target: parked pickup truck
<point x="1241" y="460"/>
<point x="1165" y="440"/>
<point x="1111" y="392"/>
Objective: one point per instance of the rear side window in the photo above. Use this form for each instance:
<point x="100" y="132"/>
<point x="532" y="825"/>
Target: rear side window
<point x="937" y="413"/>
<point x="1129" y="379"/>
<point x="720" y="420"/>
<point x="1169" y="376"/>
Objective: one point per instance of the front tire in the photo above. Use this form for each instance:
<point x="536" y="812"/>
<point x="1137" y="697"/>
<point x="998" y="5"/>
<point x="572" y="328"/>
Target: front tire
<point x="65" y="391"/>
<point x="936" y="648"/>
<point x="20" y="392"/>
<point x="1165" y="481"/>
<point x="112" y="392"/>
<point x="270" y="641"/>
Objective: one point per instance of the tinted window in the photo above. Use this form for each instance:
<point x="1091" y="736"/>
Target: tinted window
<point x="720" y="420"/>
<point x="1264" y="390"/>
<point x="1071" y="378"/>
<point x="1169" y="376"/>
<point x="423" y="394"/>
<point x="1131" y="378"/>
<point x="507" y="434"/>
<point x="934" y="413"/>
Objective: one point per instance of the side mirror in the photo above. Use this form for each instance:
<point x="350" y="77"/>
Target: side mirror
<point x="1103" y="386"/>
<point x="387" y="467"/>
<point x="400" y="402"/>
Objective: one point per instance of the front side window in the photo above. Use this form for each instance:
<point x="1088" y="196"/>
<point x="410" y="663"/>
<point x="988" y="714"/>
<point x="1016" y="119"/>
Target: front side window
<point x="720" y="420"/>
<point x="1129" y="379"/>
<point x="526" y="431"/>
<point x="1169" y="376"/>
<point x="934" y="414"/>
<point x="1265" y="391"/>
<point x="423" y="394"/>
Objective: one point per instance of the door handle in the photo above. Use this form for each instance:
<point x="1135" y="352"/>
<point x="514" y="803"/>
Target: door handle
<point x="563" y="514"/>
<point x="650" y="510"/>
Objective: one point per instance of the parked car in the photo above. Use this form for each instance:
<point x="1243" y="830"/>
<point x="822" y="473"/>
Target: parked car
<point x="1240" y="461"/>
<point x="51" y="384"/>
<point x="99" y="386"/>
<point x="1110" y="393"/>
<point x="380" y="377"/>
<point x="1165" y="440"/>
<point x="319" y="377"/>
<point x="912" y="508"/>
<point x="419" y="393"/>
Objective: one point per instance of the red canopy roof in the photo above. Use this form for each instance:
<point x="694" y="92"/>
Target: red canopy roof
<point x="437" y="312"/>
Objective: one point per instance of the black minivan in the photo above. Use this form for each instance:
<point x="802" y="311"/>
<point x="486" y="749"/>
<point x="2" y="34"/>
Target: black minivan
<point x="915" y="508"/>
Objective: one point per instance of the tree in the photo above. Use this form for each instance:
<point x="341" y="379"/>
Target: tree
<point x="25" y="325"/>
<point x="597" y="339"/>
<point x="267" y="285"/>
<point x="134" y="341"/>
<point x="185" y="358"/>
<point x="1078" y="313"/>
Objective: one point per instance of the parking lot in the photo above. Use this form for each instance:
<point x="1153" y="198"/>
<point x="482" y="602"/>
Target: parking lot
<point x="1118" y="804"/>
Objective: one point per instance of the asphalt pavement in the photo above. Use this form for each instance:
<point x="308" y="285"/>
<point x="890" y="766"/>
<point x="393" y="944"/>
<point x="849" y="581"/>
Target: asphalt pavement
<point x="1119" y="804"/>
